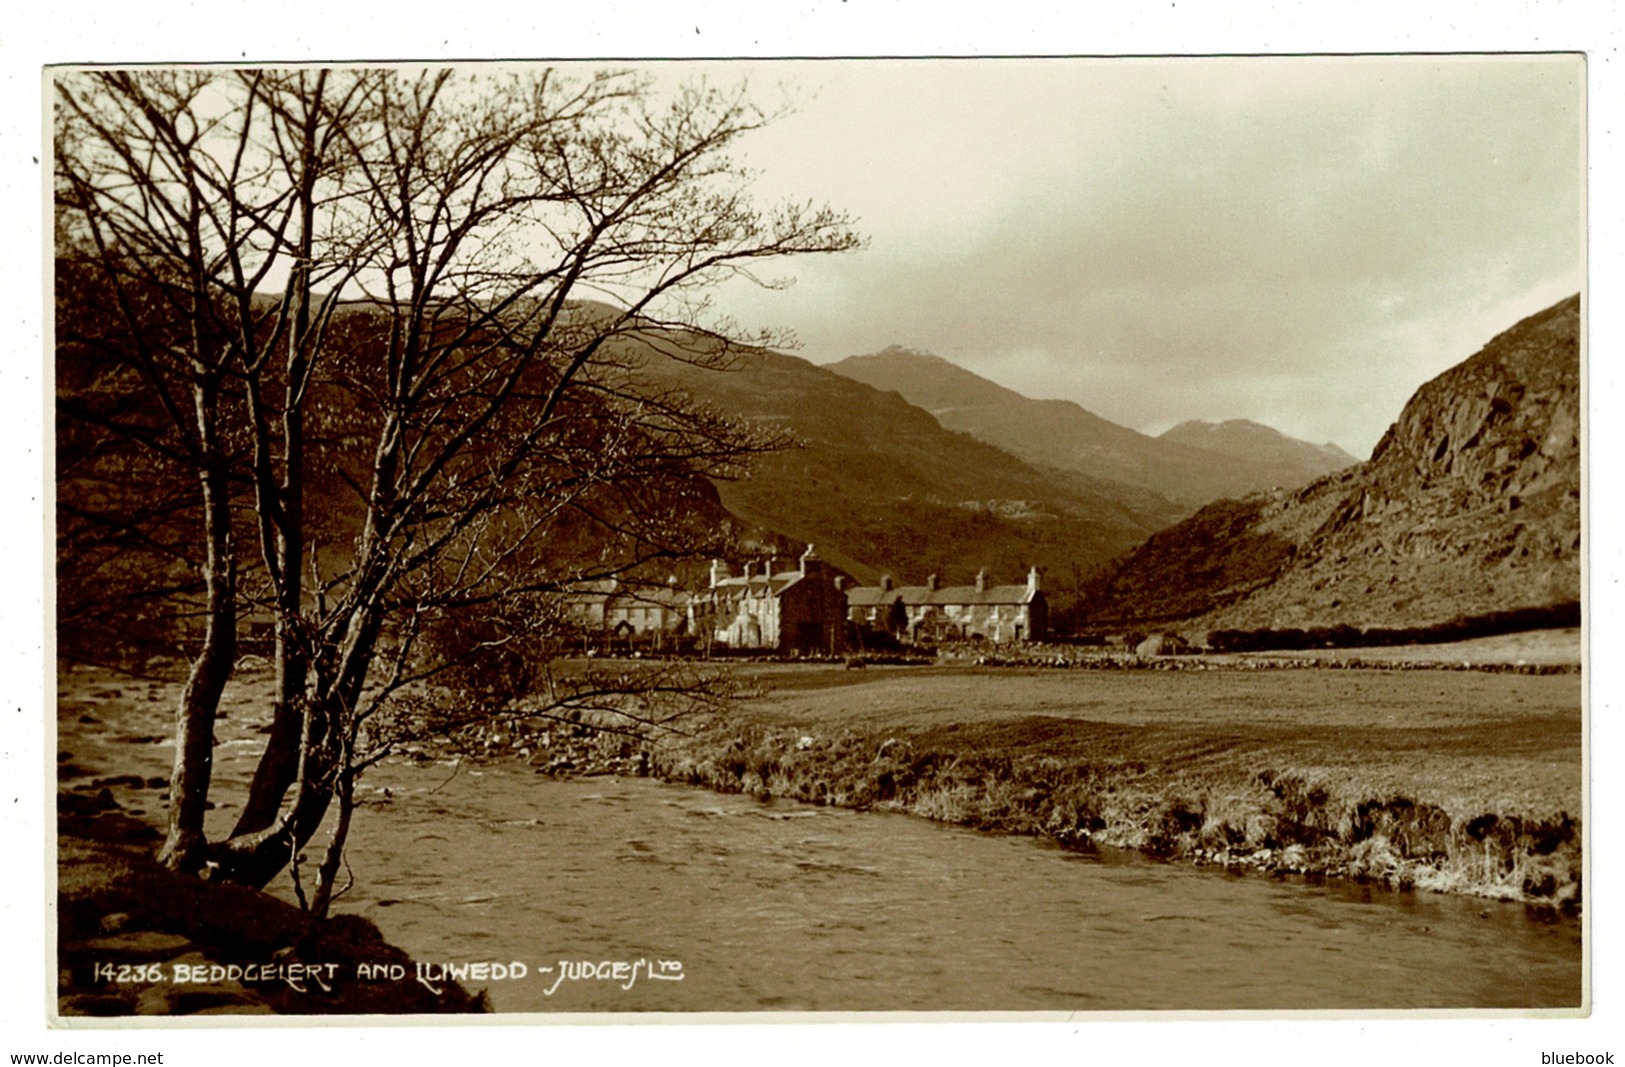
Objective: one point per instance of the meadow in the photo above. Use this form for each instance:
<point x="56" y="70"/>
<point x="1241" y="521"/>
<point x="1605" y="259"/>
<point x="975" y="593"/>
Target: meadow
<point x="1455" y="780"/>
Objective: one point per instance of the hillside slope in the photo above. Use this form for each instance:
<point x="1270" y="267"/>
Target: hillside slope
<point x="1470" y="504"/>
<point x="1186" y="465"/>
<point x="880" y="487"/>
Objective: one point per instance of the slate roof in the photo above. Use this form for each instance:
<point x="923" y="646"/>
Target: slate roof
<point x="774" y="584"/>
<point x="869" y="596"/>
<point x="921" y="595"/>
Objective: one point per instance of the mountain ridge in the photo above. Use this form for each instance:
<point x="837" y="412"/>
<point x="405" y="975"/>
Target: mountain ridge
<point x="880" y="486"/>
<point x="1063" y="434"/>
<point x="1229" y="436"/>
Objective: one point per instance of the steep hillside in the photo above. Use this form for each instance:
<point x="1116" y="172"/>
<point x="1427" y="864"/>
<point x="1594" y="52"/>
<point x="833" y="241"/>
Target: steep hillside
<point x="1470" y="504"/>
<point x="1185" y="465"/>
<point x="881" y="487"/>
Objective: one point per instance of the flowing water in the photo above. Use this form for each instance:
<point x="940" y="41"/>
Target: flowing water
<point x="783" y="906"/>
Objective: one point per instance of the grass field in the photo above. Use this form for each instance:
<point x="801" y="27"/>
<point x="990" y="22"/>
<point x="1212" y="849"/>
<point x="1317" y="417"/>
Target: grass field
<point x="1557" y="647"/>
<point x="1460" y="739"/>
<point x="1462" y="781"/>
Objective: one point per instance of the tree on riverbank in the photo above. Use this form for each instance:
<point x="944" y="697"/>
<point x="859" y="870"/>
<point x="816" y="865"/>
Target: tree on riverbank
<point x="390" y="325"/>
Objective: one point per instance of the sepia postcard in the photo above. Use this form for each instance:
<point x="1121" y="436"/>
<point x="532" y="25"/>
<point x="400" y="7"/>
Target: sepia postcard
<point x="864" y="539"/>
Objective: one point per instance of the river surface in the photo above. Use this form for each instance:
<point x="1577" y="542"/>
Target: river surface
<point x="786" y="907"/>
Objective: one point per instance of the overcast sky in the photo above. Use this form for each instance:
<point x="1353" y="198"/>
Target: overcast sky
<point x="1298" y="241"/>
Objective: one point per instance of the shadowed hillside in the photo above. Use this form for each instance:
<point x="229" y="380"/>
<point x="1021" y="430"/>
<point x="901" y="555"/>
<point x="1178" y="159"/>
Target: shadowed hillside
<point x="1470" y="505"/>
<point x="1191" y="464"/>
<point x="881" y="487"/>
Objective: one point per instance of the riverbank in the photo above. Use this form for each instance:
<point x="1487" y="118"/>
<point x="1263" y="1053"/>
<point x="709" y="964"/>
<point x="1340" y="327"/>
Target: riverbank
<point x="1466" y="782"/>
<point x="1409" y="779"/>
<point x="136" y="939"/>
<point x="1278" y="822"/>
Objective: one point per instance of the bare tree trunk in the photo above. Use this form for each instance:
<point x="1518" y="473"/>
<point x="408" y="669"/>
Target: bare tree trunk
<point x="342" y="653"/>
<point x="279" y="764"/>
<point x="327" y="872"/>
<point x="253" y="859"/>
<point x="322" y="764"/>
<point x="200" y="701"/>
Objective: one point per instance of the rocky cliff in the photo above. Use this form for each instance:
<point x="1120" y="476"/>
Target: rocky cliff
<point x="1470" y="504"/>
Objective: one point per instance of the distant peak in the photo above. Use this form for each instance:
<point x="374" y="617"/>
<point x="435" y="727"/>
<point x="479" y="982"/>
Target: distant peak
<point x="1236" y="435"/>
<point x="902" y="352"/>
<point x="1231" y="426"/>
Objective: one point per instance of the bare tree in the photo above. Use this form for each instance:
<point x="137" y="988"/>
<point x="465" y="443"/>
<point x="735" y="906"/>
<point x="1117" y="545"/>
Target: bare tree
<point x="396" y="324"/>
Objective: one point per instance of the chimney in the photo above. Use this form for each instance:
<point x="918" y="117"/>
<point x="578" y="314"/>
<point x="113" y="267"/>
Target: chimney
<point x="1032" y="580"/>
<point x="885" y="584"/>
<point x="750" y="570"/>
<point x="981" y="580"/>
<point x="807" y="557"/>
<point x="840" y="583"/>
<point x="931" y="583"/>
<point x="772" y="564"/>
<point x="719" y="571"/>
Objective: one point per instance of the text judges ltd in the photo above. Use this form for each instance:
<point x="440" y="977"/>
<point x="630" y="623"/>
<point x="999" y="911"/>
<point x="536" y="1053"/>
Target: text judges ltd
<point x="624" y="973"/>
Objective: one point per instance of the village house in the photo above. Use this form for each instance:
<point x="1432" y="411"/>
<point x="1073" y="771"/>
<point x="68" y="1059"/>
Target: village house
<point x="801" y="610"/>
<point x="628" y="610"/>
<point x="933" y="612"/>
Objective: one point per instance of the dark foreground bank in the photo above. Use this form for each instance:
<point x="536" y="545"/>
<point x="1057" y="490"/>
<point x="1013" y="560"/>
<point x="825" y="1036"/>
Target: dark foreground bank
<point x="136" y="939"/>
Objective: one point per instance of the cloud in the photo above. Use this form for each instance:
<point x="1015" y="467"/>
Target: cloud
<point x="1281" y="239"/>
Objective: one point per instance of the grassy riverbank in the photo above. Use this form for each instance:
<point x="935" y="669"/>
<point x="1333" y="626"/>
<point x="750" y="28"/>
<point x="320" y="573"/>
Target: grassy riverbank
<point x="1462" y="782"/>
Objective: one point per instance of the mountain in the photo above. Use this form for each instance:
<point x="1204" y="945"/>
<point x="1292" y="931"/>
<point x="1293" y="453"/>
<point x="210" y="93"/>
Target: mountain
<point x="1269" y="454"/>
<point x="880" y="487"/>
<point x="1469" y="505"/>
<point x="1188" y="465"/>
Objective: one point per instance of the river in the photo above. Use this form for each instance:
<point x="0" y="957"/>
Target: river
<point x="786" y="907"/>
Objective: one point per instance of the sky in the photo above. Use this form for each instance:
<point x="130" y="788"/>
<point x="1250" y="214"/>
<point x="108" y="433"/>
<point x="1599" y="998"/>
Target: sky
<point x="1298" y="241"/>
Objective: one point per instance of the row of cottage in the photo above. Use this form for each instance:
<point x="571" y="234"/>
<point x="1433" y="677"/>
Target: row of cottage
<point x="814" y="607"/>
